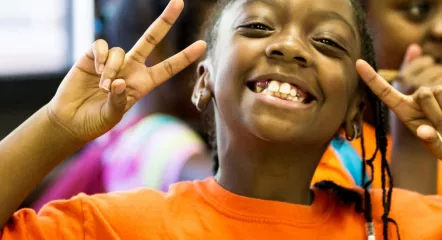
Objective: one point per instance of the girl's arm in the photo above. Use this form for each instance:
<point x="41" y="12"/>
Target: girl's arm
<point x="27" y="155"/>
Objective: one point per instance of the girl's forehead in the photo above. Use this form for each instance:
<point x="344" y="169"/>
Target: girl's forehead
<point x="331" y="4"/>
<point x="293" y="9"/>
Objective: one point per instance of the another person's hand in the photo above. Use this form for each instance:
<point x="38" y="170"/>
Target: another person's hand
<point x="104" y="83"/>
<point x="420" y="112"/>
<point x="417" y="71"/>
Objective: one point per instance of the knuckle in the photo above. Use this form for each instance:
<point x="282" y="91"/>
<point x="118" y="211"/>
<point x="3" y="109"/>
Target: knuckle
<point x="118" y="50"/>
<point x="186" y="56"/>
<point x="153" y="78"/>
<point x="168" y="67"/>
<point x="165" y="20"/>
<point x="150" y="39"/>
<point x="100" y="43"/>
<point x="437" y="90"/>
<point x="424" y="92"/>
<point x="111" y="72"/>
<point x="137" y="56"/>
<point x="385" y="91"/>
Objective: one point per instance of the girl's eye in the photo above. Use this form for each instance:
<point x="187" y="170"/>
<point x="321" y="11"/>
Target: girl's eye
<point x="418" y="11"/>
<point x="330" y="43"/>
<point x="258" y="26"/>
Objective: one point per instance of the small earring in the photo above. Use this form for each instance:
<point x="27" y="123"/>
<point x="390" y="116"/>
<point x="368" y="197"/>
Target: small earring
<point x="356" y="134"/>
<point x="201" y="106"/>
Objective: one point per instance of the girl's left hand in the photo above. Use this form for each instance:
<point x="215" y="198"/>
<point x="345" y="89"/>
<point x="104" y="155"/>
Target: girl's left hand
<point x="421" y="111"/>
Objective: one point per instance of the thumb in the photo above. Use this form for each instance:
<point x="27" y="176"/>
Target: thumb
<point x="413" y="51"/>
<point x="431" y="139"/>
<point x="116" y="102"/>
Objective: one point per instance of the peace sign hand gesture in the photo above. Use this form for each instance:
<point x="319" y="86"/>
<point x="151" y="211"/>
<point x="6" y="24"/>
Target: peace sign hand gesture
<point x="104" y="83"/>
<point x="421" y="111"/>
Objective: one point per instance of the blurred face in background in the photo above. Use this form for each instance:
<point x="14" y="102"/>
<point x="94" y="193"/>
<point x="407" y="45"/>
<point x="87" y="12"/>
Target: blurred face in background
<point x="398" y="23"/>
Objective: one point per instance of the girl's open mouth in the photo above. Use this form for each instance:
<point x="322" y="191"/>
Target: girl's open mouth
<point x="281" y="90"/>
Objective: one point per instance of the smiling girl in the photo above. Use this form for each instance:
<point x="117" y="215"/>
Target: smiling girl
<point x="282" y="80"/>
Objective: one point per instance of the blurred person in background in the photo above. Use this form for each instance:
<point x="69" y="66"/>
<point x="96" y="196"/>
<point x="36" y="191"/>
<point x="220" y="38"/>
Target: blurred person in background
<point x="407" y="37"/>
<point x="399" y="25"/>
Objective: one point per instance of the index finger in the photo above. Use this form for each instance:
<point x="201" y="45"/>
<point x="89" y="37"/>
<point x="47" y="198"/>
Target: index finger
<point x="156" y="32"/>
<point x="378" y="85"/>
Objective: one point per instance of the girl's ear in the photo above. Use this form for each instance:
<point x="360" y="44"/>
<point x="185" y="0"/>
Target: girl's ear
<point x="355" y="117"/>
<point x="202" y="93"/>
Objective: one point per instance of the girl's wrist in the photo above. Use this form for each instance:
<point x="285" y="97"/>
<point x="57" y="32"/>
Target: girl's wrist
<point x="58" y="131"/>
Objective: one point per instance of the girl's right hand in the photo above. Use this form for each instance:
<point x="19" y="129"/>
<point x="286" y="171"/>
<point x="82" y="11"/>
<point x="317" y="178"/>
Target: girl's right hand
<point x="421" y="112"/>
<point x="104" y="83"/>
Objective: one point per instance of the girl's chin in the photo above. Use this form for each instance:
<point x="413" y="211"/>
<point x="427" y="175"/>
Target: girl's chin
<point x="279" y="132"/>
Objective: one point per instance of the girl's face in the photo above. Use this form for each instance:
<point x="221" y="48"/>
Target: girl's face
<point x="398" y="23"/>
<point x="283" y="70"/>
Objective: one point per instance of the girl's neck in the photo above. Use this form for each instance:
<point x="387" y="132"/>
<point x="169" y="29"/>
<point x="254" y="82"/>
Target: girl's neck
<point x="254" y="168"/>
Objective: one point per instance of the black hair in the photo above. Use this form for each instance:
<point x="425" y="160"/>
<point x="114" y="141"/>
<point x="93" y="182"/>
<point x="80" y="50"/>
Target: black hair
<point x="347" y="196"/>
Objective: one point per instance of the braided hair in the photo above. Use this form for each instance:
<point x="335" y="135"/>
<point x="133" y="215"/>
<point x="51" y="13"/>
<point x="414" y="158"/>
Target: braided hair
<point x="347" y="196"/>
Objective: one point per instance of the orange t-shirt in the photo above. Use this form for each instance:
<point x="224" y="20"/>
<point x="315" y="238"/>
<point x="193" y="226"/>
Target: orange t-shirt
<point x="204" y="210"/>
<point x="330" y="167"/>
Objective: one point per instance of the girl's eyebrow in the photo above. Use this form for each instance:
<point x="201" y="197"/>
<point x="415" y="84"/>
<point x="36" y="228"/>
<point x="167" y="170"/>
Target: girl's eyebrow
<point x="330" y="15"/>
<point x="274" y="3"/>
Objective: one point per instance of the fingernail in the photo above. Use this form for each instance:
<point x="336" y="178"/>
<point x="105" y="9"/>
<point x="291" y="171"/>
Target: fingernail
<point x="106" y="84"/>
<point x="101" y="69"/>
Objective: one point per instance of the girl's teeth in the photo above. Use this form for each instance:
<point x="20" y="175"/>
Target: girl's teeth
<point x="280" y="90"/>
<point x="285" y="88"/>
<point x="273" y="86"/>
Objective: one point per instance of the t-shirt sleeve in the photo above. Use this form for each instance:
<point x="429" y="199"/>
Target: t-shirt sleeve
<point x="118" y="215"/>
<point x="57" y="220"/>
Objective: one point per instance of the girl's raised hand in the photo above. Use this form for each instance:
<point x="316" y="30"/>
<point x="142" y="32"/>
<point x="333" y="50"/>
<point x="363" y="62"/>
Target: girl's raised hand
<point x="421" y="111"/>
<point x="104" y="83"/>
